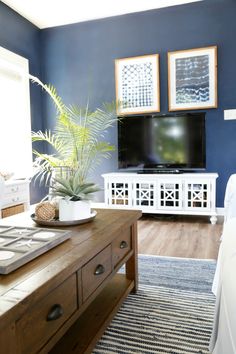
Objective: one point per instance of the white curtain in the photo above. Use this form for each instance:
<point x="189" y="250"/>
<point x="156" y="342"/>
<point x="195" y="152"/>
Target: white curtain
<point x="15" y="122"/>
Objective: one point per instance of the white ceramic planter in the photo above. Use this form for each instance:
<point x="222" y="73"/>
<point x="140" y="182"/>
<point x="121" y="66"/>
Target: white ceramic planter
<point x="70" y="210"/>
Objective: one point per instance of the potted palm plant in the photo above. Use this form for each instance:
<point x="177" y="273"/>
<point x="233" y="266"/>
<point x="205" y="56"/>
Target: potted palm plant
<point x="77" y="146"/>
<point x="77" y="141"/>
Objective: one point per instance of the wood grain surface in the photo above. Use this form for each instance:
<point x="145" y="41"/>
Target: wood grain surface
<point x="22" y="288"/>
<point x="179" y="236"/>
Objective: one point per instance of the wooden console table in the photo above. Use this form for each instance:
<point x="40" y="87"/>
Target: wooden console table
<point x="62" y="301"/>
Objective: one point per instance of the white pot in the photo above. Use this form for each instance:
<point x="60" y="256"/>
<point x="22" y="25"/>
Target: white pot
<point x="74" y="210"/>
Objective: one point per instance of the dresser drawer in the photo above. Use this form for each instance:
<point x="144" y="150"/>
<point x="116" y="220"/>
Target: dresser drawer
<point x="21" y="188"/>
<point x="95" y="271"/>
<point x="41" y="321"/>
<point x="15" y="193"/>
<point x="12" y="210"/>
<point x="121" y="246"/>
<point x="15" y="198"/>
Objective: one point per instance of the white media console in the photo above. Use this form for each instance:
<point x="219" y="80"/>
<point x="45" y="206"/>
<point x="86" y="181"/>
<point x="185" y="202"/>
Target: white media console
<point x="184" y="193"/>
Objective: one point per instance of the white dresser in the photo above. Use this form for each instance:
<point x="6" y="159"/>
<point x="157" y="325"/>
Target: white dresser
<point x="16" y="197"/>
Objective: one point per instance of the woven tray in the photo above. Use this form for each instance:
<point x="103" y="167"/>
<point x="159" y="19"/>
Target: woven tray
<point x="58" y="223"/>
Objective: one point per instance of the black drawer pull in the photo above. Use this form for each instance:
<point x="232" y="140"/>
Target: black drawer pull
<point x="123" y="245"/>
<point x="55" y="312"/>
<point x="99" y="270"/>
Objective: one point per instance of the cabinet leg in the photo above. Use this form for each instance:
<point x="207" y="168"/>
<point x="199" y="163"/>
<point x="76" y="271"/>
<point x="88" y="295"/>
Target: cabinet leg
<point x="213" y="219"/>
<point x="132" y="263"/>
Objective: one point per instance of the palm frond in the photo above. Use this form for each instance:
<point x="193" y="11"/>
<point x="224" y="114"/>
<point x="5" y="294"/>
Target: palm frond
<point x="52" y="139"/>
<point x="78" y="139"/>
<point x="52" y="93"/>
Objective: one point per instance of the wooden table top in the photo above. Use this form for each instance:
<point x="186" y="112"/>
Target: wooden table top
<point x="21" y="288"/>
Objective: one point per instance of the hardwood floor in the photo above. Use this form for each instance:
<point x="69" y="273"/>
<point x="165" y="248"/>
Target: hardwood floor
<point x="179" y="236"/>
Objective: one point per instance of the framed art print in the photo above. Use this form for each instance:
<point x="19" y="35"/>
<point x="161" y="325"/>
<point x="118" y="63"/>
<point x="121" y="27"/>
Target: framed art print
<point x="137" y="84"/>
<point x="192" y="79"/>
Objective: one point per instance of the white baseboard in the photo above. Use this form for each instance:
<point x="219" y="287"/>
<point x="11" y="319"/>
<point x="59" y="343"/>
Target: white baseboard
<point x="98" y="205"/>
<point x="219" y="211"/>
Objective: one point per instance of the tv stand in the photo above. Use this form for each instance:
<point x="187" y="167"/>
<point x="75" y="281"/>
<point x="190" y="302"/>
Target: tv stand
<point x="163" y="193"/>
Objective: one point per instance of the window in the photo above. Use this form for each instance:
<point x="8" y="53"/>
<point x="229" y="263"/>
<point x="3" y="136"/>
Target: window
<point x="15" y="122"/>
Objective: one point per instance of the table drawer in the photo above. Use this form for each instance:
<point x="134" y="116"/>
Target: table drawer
<point x="7" y="339"/>
<point x="95" y="271"/>
<point x="41" y="321"/>
<point x="121" y="246"/>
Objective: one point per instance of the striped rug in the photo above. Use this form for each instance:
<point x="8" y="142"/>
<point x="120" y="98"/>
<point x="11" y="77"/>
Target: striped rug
<point x="165" y="315"/>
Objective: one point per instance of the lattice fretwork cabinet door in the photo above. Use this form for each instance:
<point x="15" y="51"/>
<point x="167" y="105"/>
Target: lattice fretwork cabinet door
<point x="120" y="193"/>
<point x="198" y="195"/>
<point x="144" y="195"/>
<point x="170" y="195"/>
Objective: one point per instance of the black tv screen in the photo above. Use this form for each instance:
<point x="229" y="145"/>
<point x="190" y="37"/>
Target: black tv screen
<point x="162" y="142"/>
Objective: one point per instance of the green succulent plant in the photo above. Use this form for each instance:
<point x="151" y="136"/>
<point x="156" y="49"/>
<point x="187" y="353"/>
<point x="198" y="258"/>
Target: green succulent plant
<point x="77" y="141"/>
<point x="71" y="188"/>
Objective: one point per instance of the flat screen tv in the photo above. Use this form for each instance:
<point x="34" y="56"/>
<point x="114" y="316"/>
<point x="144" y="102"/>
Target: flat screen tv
<point x="157" y="142"/>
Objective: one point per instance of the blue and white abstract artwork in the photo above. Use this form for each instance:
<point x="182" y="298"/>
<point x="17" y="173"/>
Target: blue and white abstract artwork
<point x="192" y="79"/>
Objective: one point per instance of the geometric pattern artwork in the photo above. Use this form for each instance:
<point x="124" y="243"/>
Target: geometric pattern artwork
<point x="137" y="84"/>
<point x="192" y="78"/>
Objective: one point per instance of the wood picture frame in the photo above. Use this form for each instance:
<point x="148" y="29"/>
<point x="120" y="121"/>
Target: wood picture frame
<point x="192" y="79"/>
<point x="137" y="84"/>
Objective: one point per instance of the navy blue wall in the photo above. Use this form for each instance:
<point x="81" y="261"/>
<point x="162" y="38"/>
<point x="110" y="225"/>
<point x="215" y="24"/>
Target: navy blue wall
<point x="23" y="38"/>
<point x="79" y="60"/>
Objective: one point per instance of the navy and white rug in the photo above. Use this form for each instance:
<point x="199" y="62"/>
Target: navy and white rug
<point x="172" y="312"/>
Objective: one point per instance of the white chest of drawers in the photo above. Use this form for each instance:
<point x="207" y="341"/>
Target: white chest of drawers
<point x="16" y="192"/>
